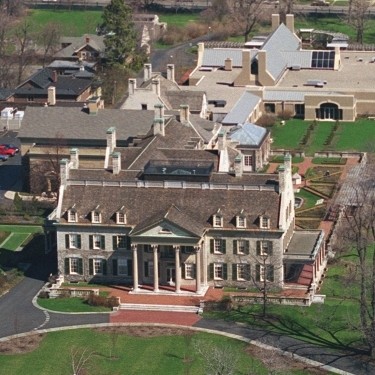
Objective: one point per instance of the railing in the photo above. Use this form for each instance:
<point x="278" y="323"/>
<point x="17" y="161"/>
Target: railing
<point x="241" y="300"/>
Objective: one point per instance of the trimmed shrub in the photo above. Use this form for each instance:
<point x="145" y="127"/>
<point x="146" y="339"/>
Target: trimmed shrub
<point x="94" y="300"/>
<point x="266" y="120"/>
<point x="285" y="115"/>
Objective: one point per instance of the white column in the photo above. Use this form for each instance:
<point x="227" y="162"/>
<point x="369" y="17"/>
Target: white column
<point x="156" y="272"/>
<point x="198" y="288"/>
<point x="135" y="268"/>
<point x="204" y="262"/>
<point x="178" y="268"/>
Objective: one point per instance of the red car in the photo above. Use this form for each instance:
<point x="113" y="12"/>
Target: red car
<point x="7" y="151"/>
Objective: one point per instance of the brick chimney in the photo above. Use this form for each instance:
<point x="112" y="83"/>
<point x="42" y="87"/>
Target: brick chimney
<point x="184" y="113"/>
<point x="170" y="72"/>
<point x="159" y="126"/>
<point x="87" y="39"/>
<point x="51" y="92"/>
<point x="54" y="76"/>
<point x="275" y="21"/>
<point x="244" y="78"/>
<point x="159" y="111"/>
<point x="147" y="72"/>
<point x="111" y="139"/>
<point x="94" y="104"/>
<point x="116" y="162"/>
<point x="290" y="22"/>
<point x="156" y="86"/>
<point x="74" y="158"/>
<point x="238" y="167"/>
<point x="228" y="64"/>
<point x="132" y="85"/>
<point x="64" y="171"/>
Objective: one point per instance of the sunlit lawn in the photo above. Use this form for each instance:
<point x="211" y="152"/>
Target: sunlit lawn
<point x="289" y="135"/>
<point x="122" y="354"/>
<point x="69" y="305"/>
<point x="178" y="19"/>
<point x="309" y="199"/>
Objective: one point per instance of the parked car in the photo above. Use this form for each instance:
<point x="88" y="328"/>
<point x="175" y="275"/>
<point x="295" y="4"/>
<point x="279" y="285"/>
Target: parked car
<point x="7" y="151"/>
<point x="320" y="3"/>
<point x="4" y="157"/>
<point x="10" y="145"/>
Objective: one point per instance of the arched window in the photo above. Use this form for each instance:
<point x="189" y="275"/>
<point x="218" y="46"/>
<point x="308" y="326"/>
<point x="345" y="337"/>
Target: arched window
<point x="329" y="111"/>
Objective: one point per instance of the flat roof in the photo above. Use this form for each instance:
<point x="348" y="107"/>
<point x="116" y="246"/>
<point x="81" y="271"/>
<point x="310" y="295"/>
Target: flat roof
<point x="303" y="243"/>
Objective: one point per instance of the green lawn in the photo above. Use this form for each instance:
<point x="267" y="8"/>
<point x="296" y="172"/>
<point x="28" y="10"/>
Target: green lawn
<point x="19" y="235"/>
<point x="124" y="354"/>
<point x="289" y="135"/>
<point x="73" y="23"/>
<point x="69" y="305"/>
<point x="179" y="19"/>
<point x="15" y="240"/>
<point x="309" y="199"/>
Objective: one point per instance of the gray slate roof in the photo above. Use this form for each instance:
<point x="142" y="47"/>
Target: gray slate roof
<point x="76" y="124"/>
<point x="242" y="109"/>
<point x="96" y="42"/>
<point x="193" y="99"/>
<point x="216" y="57"/>
<point x="6" y="93"/>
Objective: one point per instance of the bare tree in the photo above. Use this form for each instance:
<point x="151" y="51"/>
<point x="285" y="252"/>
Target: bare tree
<point x="48" y="38"/>
<point x="219" y="10"/>
<point x="25" y="52"/>
<point x="79" y="359"/>
<point x="218" y="360"/>
<point x="358" y="17"/>
<point x="358" y="231"/>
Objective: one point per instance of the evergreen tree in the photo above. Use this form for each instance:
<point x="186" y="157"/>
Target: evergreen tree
<point x="120" y="34"/>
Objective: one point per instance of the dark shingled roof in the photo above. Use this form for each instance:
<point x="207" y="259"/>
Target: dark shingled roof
<point x="193" y="99"/>
<point x="196" y="204"/>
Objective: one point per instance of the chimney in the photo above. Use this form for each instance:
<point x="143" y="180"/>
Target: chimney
<point x="200" y="54"/>
<point x="238" y="168"/>
<point x="94" y="105"/>
<point x="64" y="171"/>
<point x="51" y="95"/>
<point x="132" y="85"/>
<point x="337" y="63"/>
<point x="228" y="64"/>
<point x="221" y="141"/>
<point x="170" y="72"/>
<point x="156" y="86"/>
<point x="275" y="21"/>
<point x="184" y="113"/>
<point x="54" y="76"/>
<point x="111" y="139"/>
<point x="74" y="158"/>
<point x="290" y="22"/>
<point x="288" y="162"/>
<point x="264" y="77"/>
<point x="159" y="127"/>
<point x="244" y="78"/>
<point x="87" y="39"/>
<point x="147" y="72"/>
<point x="159" y="111"/>
<point x="116" y="162"/>
<point x="282" y="178"/>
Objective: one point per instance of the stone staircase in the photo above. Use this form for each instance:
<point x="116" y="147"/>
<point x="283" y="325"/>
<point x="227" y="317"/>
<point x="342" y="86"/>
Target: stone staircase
<point x="169" y="308"/>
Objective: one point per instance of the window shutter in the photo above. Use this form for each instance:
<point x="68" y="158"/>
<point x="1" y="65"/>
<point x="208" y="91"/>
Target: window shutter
<point x="91" y="266"/>
<point x="67" y="263"/>
<point x="257" y="272"/>
<point x="247" y="247"/>
<point x="114" y="242"/>
<point x="146" y="269"/>
<point x="114" y="267"/>
<point x="212" y="245"/>
<point x="223" y="246"/>
<point x="258" y="247"/>
<point x="270" y="276"/>
<point x="91" y="242"/>
<point x="225" y="271"/>
<point x="102" y="242"/>
<point x="80" y="266"/>
<point x="128" y="243"/>
<point x="247" y="272"/>
<point x="79" y="241"/>
<point x="130" y="267"/>
<point x="104" y="266"/>
<point x="270" y="247"/>
<point x="235" y="247"/>
<point x="67" y="241"/>
<point x="183" y="271"/>
<point x="234" y="271"/>
<point x="211" y="271"/>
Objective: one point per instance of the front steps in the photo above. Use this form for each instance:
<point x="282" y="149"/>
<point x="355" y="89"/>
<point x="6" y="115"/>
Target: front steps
<point x="169" y="308"/>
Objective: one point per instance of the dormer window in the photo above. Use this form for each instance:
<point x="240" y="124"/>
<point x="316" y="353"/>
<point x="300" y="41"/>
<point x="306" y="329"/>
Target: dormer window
<point x="72" y="215"/>
<point x="241" y="220"/>
<point x="96" y="216"/>
<point x="165" y="230"/>
<point x="218" y="220"/>
<point x="120" y="217"/>
<point x="264" y="222"/>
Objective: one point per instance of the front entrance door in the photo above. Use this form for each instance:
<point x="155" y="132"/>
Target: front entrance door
<point x="171" y="275"/>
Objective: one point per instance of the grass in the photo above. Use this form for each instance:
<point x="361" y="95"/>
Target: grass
<point x="178" y="19"/>
<point x="319" y="136"/>
<point x="18" y="235"/>
<point x="21" y="228"/>
<point x="73" y="304"/>
<point x="289" y="135"/>
<point x="73" y="23"/>
<point x="322" y="160"/>
<point x="309" y="199"/>
<point x="120" y="353"/>
<point x="15" y="240"/>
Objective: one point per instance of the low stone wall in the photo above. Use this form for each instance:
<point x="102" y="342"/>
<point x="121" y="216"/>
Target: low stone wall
<point x="282" y="152"/>
<point x="243" y="300"/>
<point x="335" y="154"/>
<point x="72" y="292"/>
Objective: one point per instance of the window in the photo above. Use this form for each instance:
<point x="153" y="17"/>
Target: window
<point x="264" y="222"/>
<point x="121" y="242"/>
<point x="144" y="107"/>
<point x="122" y="266"/>
<point x="243" y="271"/>
<point x="241" y="222"/>
<point x="72" y="216"/>
<point x="269" y="107"/>
<point x="187" y="249"/>
<point x="73" y="266"/>
<point x="97" y="266"/>
<point x="218" y="221"/>
<point x="189" y="270"/>
<point x="264" y="248"/>
<point x="97" y="241"/>
<point x="300" y="110"/>
<point x="217" y="246"/>
<point x="149" y="268"/>
<point x="264" y="272"/>
<point x="73" y="241"/>
<point x="218" y="271"/>
<point x="120" y="218"/>
<point x="248" y="161"/>
<point x="30" y="98"/>
<point x="96" y="217"/>
<point x="241" y="247"/>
